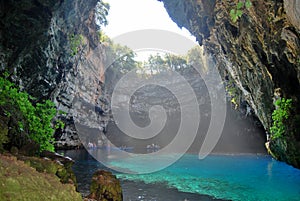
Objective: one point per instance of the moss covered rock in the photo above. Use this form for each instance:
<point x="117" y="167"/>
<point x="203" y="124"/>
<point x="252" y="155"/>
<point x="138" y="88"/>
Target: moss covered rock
<point x="20" y="182"/>
<point x="53" y="163"/>
<point x="105" y="187"/>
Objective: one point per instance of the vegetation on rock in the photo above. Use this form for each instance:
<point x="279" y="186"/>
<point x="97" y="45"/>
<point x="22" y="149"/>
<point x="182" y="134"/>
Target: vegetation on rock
<point x="105" y="187"/>
<point x="52" y="163"/>
<point x="75" y="41"/>
<point x="20" y="182"/>
<point x="280" y="117"/>
<point x="285" y="132"/>
<point x="26" y="121"/>
<point x="233" y="92"/>
<point x="237" y="12"/>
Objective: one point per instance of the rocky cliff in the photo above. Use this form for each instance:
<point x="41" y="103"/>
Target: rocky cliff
<point x="51" y="49"/>
<point x="259" y="52"/>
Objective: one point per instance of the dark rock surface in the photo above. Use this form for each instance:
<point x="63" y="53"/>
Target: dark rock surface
<point x="259" y="53"/>
<point x="35" y="48"/>
<point x="293" y="14"/>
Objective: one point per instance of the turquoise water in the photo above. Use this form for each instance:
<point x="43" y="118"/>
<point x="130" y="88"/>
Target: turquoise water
<point x="223" y="177"/>
<point x="236" y="177"/>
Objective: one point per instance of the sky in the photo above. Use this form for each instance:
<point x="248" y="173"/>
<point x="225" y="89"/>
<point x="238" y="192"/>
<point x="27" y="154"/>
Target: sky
<point x="131" y="15"/>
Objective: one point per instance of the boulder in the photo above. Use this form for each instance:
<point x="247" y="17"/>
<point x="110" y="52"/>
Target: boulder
<point x="105" y="187"/>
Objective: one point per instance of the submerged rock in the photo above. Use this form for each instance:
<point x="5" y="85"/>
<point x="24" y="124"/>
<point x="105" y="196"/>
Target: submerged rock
<point x="105" y="187"/>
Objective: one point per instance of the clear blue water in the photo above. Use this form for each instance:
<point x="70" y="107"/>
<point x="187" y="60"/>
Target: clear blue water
<point x="225" y="177"/>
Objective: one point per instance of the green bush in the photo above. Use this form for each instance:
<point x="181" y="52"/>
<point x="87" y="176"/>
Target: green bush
<point x="36" y="119"/>
<point x="280" y="117"/>
<point x="237" y="12"/>
<point x="75" y="41"/>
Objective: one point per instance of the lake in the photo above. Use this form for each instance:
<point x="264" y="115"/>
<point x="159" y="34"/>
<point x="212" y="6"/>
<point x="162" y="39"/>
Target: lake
<point x="218" y="177"/>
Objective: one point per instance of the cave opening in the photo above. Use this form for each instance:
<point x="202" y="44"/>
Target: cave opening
<point x="242" y="132"/>
<point x="170" y="113"/>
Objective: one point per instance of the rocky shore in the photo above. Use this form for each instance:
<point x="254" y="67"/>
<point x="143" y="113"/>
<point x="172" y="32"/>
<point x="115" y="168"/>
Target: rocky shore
<point x="51" y="177"/>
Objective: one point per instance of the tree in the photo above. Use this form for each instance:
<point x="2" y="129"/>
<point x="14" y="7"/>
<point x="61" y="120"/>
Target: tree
<point x="119" y="57"/>
<point x="156" y="64"/>
<point x="176" y="62"/>
<point x="102" y="10"/>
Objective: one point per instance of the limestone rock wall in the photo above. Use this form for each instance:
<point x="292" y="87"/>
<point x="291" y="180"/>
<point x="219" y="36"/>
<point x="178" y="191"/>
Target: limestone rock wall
<point x="35" y="49"/>
<point x="260" y="53"/>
